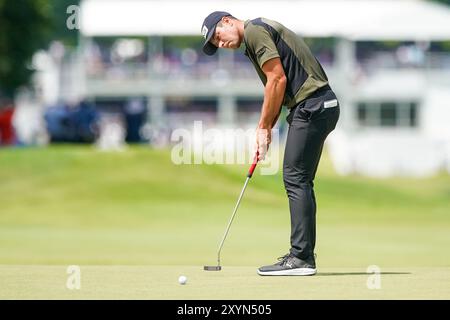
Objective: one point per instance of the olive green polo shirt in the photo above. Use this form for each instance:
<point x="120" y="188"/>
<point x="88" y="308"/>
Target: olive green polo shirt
<point x="266" y="39"/>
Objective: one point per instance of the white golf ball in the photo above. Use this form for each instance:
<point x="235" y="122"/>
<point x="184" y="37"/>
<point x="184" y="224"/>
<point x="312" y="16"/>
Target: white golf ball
<point x="182" y="279"/>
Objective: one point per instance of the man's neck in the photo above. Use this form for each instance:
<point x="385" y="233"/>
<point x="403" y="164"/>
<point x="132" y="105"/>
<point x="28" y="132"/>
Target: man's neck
<point x="240" y="25"/>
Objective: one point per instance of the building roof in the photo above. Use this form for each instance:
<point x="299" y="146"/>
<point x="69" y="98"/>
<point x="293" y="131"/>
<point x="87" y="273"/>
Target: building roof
<point x="352" y="19"/>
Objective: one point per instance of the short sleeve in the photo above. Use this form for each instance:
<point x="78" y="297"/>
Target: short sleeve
<point x="261" y="44"/>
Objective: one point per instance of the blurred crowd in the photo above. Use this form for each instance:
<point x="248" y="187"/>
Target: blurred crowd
<point x="7" y="136"/>
<point x="122" y="58"/>
<point x="81" y="122"/>
<point x="125" y="58"/>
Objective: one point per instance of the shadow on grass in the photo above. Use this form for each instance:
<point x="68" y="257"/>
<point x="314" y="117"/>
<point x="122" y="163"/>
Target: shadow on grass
<point x="356" y="273"/>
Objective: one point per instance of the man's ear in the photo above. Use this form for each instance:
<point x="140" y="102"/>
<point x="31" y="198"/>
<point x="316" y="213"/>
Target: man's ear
<point x="226" y="20"/>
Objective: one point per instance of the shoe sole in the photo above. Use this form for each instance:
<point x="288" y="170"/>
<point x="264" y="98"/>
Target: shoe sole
<point x="290" y="272"/>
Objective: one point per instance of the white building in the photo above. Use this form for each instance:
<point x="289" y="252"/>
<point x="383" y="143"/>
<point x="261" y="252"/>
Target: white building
<point x="395" y="105"/>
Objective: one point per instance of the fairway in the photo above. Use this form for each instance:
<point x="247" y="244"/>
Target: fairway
<point x="134" y="222"/>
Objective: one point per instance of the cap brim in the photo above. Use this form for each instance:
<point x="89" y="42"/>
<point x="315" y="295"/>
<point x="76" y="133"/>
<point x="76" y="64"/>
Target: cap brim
<point x="208" y="47"/>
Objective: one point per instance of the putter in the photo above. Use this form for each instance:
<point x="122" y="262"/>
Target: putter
<point x="249" y="175"/>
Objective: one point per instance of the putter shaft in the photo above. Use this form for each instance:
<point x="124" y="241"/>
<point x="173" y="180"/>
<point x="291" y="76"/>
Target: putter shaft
<point x="231" y="220"/>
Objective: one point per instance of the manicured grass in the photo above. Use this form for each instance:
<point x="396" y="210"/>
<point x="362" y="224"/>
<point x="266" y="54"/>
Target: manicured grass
<point x="161" y="282"/>
<point x="74" y="205"/>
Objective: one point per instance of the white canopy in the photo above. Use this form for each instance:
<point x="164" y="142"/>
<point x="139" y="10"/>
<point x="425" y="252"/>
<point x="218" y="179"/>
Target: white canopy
<point x="357" y="20"/>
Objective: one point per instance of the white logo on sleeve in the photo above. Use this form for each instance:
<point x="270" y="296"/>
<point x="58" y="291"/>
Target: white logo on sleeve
<point x="204" y="31"/>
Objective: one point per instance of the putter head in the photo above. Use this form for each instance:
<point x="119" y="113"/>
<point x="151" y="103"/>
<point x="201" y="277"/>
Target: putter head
<point x="212" y="268"/>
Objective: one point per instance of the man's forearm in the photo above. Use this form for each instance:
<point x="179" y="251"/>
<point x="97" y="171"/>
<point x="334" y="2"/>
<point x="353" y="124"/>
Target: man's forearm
<point x="273" y="98"/>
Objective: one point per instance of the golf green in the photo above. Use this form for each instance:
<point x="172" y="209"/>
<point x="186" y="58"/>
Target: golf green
<point x="134" y="222"/>
<point x="161" y="282"/>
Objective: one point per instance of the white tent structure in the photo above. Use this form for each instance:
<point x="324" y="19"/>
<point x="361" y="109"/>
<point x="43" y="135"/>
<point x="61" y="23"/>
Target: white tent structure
<point x="351" y="19"/>
<point x="378" y="151"/>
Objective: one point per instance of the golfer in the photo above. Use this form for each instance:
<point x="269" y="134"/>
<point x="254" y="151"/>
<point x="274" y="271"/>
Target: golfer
<point x="292" y="77"/>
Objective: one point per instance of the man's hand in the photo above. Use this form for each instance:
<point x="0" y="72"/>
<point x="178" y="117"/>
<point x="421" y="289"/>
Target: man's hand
<point x="263" y="140"/>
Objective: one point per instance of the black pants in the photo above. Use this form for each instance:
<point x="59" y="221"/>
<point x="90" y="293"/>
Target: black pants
<point x="310" y="122"/>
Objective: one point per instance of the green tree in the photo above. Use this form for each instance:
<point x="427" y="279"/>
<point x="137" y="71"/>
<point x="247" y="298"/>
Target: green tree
<point x="447" y="2"/>
<point x="59" y="16"/>
<point x="24" y="28"/>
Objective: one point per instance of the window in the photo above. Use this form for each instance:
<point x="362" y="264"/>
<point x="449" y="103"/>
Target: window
<point x="386" y="114"/>
<point x="413" y="114"/>
<point x="362" y="113"/>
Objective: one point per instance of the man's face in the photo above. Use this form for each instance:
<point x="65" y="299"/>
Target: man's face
<point x="226" y="35"/>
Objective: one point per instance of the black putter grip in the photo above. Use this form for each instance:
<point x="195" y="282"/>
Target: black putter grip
<point x="252" y="168"/>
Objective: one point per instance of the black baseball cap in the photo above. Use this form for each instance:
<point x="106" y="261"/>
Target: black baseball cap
<point x="208" y="29"/>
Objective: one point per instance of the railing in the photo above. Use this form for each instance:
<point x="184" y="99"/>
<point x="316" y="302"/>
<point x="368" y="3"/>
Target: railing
<point x="407" y="60"/>
<point x="167" y="71"/>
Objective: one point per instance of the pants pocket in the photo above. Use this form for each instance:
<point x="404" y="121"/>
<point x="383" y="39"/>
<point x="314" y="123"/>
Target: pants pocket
<point x="319" y="107"/>
<point x="297" y="113"/>
<point x="290" y="116"/>
<point x="313" y="106"/>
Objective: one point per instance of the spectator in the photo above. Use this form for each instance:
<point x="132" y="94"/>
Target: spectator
<point x="7" y="136"/>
